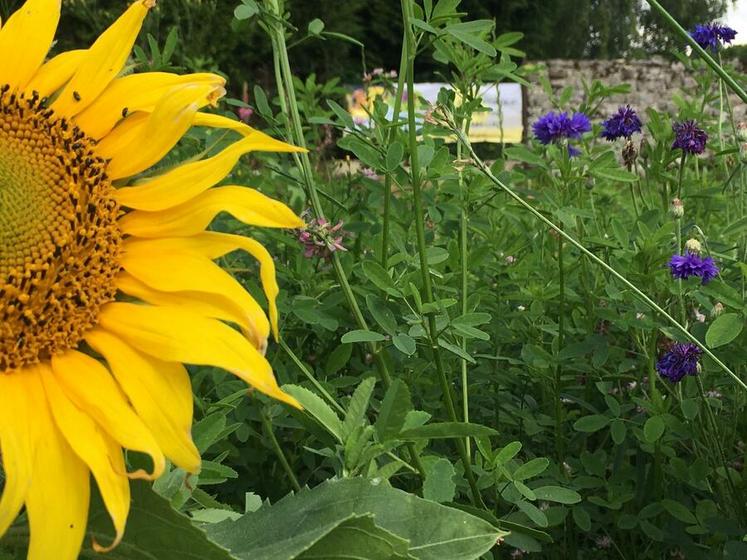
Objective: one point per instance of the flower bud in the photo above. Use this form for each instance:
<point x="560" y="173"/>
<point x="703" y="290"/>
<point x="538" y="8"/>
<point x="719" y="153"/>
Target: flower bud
<point x="718" y="309"/>
<point x="676" y="208"/>
<point x="629" y="154"/>
<point x="693" y="246"/>
<point x="742" y="131"/>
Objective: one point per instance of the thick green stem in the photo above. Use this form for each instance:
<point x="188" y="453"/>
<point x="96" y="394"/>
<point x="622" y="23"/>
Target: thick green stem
<point x="637" y="291"/>
<point x="715" y="66"/>
<point x="422" y="250"/>
<point x="559" y="445"/>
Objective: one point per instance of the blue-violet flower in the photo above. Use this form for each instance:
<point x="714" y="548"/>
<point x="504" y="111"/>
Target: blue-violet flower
<point x="692" y="264"/>
<point x="681" y="360"/>
<point x="622" y="124"/>
<point x="689" y="138"/>
<point x="712" y="35"/>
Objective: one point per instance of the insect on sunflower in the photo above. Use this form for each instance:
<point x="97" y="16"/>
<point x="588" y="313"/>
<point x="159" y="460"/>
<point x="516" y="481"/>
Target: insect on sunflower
<point x="108" y="284"/>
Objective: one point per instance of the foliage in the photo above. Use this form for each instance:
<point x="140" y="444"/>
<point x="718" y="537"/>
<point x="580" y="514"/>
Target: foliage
<point x="479" y="362"/>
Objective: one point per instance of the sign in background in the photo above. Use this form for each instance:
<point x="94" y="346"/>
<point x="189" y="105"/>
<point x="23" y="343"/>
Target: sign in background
<point x="503" y="123"/>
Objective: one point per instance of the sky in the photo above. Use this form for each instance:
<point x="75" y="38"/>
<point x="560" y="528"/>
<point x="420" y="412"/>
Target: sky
<point x="737" y="19"/>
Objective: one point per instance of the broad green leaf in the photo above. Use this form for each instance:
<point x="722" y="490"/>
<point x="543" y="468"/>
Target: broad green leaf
<point x="154" y="530"/>
<point x="618" y="431"/>
<point x="362" y="336"/>
<point x="316" y="26"/>
<point x="246" y="10"/>
<point x="724" y="329"/>
<point x="524" y="490"/>
<point x="467" y="33"/>
<point x="582" y="518"/>
<point x="381" y="314"/>
<point x="440" y="430"/>
<point x="592" y="423"/>
<point x="522" y="153"/>
<point x="297" y="522"/>
<point x="393" y="412"/>
<point x="557" y="494"/>
<point x="358" y="537"/>
<point x="317" y="408"/>
<point x="394" y="155"/>
<point x="356" y="413"/>
<point x="439" y="484"/>
<point x="454" y="349"/>
<point x="338" y="358"/>
<point x="653" y="429"/>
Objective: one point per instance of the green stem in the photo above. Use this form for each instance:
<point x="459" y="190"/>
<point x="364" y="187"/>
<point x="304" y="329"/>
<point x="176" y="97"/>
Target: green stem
<point x="289" y="106"/>
<point x="680" y="291"/>
<point x="420" y="233"/>
<point x="390" y="136"/>
<point x="651" y="303"/>
<point x="715" y="66"/>
<point x="279" y="451"/>
<point x="558" y="370"/>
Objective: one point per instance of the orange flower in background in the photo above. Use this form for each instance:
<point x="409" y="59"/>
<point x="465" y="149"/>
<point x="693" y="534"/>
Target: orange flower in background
<point x="108" y="284"/>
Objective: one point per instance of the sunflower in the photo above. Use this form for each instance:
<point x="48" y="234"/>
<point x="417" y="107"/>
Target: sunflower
<point x="108" y="283"/>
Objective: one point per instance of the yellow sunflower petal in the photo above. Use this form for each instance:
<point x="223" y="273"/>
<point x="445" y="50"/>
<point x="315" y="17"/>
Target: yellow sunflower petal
<point x="25" y="40"/>
<point x="190" y="179"/>
<point x="18" y="440"/>
<point x="57" y="501"/>
<point x="219" y="121"/>
<point x="186" y="270"/>
<point x="97" y="449"/>
<point x="103" y="61"/>
<point x="246" y="205"/>
<point x="158" y="391"/>
<point x="216" y="306"/>
<point x="179" y="335"/>
<point x="145" y="145"/>
<point x="136" y="92"/>
<point x="90" y="386"/>
<point x="56" y="72"/>
<point x="214" y="245"/>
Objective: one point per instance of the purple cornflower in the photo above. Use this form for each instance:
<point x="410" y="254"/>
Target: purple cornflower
<point x="622" y="124"/>
<point x="711" y="35"/>
<point x="689" y="138"/>
<point x="681" y="360"/>
<point x="692" y="264"/>
<point x="553" y="127"/>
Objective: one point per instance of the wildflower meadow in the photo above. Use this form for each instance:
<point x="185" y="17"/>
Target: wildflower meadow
<point x="254" y="313"/>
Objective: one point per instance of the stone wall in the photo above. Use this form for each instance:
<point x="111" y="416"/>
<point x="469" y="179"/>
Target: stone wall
<point x="653" y="84"/>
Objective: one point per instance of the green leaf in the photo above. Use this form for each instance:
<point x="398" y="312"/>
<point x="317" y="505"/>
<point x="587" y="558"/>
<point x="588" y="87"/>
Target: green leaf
<point x="614" y="174"/>
<point x="404" y="343"/>
<point x="582" y="518"/>
<point x="382" y="314"/>
<point x="343" y="115"/>
<point x="508" y="453"/>
<point x="246" y="10"/>
<point x="531" y="468"/>
<point x="441" y="430"/>
<point x="557" y="494"/>
<point x="356" y="413"/>
<point x="394" y="409"/>
<point x="297" y="522"/>
<point x="362" y="336"/>
<point x="653" y="429"/>
<point x="380" y="277"/>
<point x="154" y="530"/>
<point x="467" y="34"/>
<point x="394" y="155"/>
<point x="454" y="349"/>
<point x="316" y="26"/>
<point x="317" y="409"/>
<point x="533" y="512"/>
<point x="618" y="431"/>
<point x="439" y="484"/>
<point x="678" y="511"/>
<point x="524" y="490"/>
<point x="522" y="153"/>
<point x="592" y="423"/>
<point x="338" y="358"/>
<point x="724" y="329"/>
<point x="359" y="537"/>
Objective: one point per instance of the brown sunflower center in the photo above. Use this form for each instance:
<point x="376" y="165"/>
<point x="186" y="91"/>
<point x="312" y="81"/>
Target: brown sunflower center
<point x="59" y="238"/>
